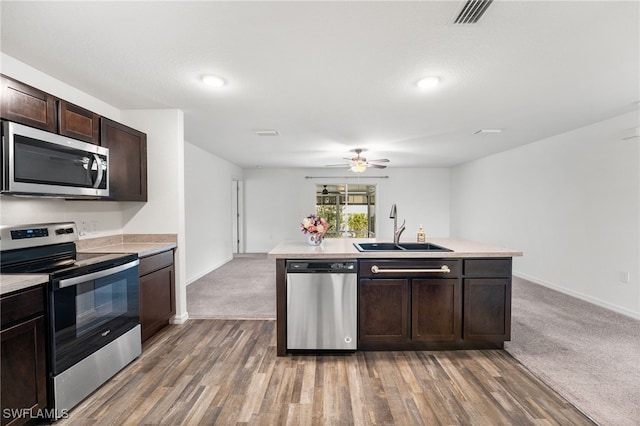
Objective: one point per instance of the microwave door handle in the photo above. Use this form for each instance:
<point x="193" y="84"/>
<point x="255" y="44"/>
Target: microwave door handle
<point x="98" y="163"/>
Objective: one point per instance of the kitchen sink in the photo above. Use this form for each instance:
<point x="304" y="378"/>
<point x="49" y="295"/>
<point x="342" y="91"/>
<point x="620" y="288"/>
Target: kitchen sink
<point x="402" y="247"/>
<point x="377" y="247"/>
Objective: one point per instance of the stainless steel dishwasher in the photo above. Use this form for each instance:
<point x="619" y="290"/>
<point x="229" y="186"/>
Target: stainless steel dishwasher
<point x="322" y="305"/>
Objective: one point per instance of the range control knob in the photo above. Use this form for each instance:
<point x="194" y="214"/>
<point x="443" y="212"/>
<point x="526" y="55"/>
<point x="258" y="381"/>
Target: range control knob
<point x="61" y="231"/>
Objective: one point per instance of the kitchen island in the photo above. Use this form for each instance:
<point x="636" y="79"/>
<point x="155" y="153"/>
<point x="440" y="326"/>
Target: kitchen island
<point x="416" y="300"/>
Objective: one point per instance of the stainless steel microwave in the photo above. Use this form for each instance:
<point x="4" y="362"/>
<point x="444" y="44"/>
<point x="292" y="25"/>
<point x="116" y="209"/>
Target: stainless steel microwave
<point x="40" y="163"/>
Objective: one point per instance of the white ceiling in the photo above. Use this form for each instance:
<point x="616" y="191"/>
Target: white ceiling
<point x="334" y="76"/>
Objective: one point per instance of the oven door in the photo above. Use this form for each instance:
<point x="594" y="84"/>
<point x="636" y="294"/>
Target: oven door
<point x="89" y="311"/>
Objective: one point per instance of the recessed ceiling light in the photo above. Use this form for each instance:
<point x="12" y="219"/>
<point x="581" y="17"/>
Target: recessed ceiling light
<point x="213" y="80"/>
<point x="428" y="82"/>
<point x="478" y="132"/>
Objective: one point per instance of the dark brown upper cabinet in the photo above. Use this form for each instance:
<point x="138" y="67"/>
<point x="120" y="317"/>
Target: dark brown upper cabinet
<point x="78" y="123"/>
<point x="127" y="161"/>
<point x="27" y="105"/>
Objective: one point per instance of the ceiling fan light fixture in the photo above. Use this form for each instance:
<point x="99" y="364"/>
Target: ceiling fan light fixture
<point x="358" y="167"/>
<point x="428" y="82"/>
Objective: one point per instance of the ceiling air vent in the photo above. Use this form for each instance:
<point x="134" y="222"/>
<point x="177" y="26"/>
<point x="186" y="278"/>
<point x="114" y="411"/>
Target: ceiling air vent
<point x="472" y="11"/>
<point x="267" y="132"/>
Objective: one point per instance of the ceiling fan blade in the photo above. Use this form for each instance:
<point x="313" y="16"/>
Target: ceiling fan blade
<point x="382" y="160"/>
<point x="337" y="165"/>
<point x="377" y="166"/>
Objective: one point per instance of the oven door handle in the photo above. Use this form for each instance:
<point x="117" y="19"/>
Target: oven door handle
<point x="96" y="275"/>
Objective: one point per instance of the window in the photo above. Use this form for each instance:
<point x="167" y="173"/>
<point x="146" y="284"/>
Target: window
<point x="349" y="209"/>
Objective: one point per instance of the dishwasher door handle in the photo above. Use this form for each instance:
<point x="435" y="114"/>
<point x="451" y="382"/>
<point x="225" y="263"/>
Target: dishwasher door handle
<point x="444" y="269"/>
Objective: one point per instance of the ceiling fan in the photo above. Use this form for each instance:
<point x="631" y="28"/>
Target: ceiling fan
<point x="359" y="164"/>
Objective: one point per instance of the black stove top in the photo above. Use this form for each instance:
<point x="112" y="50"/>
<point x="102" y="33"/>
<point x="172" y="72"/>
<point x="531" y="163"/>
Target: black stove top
<point x="51" y="249"/>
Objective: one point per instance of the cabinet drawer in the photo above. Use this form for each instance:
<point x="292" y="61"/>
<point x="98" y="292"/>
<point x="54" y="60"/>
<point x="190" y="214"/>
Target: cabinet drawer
<point x="403" y="268"/>
<point x="22" y="306"/>
<point x="487" y="267"/>
<point x="154" y="262"/>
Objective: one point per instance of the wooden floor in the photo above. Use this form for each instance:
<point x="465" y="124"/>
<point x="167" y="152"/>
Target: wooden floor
<point x="226" y="372"/>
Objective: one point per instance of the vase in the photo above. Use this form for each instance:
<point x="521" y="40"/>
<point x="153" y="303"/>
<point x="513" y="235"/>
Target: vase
<point x="314" y="239"/>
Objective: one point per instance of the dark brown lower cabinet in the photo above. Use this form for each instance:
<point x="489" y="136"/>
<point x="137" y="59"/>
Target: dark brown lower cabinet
<point x="383" y="310"/>
<point x="436" y="309"/>
<point x="401" y="310"/>
<point x="23" y="375"/>
<point x="393" y="311"/>
<point x="410" y="304"/>
<point x="487" y="309"/>
<point x="157" y="292"/>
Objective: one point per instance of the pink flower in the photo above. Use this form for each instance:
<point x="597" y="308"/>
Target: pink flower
<point x="314" y="224"/>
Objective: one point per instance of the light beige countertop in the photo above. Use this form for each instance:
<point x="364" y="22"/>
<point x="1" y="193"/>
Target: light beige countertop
<point x="144" y="245"/>
<point x="142" y="249"/>
<point x="14" y="282"/>
<point x="343" y="248"/>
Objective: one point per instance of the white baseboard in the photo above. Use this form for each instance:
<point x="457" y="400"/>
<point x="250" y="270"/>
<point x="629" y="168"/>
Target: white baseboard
<point x="210" y="269"/>
<point x="578" y="295"/>
<point x="179" y="319"/>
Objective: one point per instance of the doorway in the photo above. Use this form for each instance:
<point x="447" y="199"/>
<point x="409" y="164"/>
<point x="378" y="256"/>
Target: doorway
<point x="236" y="218"/>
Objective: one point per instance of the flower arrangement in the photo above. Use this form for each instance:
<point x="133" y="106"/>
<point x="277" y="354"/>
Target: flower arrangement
<point x="314" y="224"/>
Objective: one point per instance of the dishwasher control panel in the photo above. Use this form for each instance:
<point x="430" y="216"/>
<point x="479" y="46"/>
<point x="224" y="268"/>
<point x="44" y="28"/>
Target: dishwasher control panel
<point x="322" y="266"/>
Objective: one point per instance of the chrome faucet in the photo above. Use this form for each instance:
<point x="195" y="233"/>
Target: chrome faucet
<point x="396" y="232"/>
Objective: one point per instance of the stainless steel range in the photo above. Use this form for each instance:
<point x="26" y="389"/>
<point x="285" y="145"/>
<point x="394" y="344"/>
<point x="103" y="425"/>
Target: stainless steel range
<point x="93" y="307"/>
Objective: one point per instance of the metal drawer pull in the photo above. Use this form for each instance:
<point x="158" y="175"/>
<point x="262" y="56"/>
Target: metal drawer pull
<point x="444" y="269"/>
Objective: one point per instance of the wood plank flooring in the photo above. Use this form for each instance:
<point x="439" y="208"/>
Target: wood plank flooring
<point x="226" y="372"/>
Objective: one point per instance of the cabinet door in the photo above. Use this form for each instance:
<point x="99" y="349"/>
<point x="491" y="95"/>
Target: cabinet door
<point x="27" y="105"/>
<point x="127" y="161"/>
<point x="23" y="369"/>
<point x="157" y="300"/>
<point x="487" y="309"/>
<point x="78" y="123"/>
<point x="383" y="313"/>
<point x="436" y="309"/>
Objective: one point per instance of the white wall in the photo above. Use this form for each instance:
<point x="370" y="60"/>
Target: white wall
<point x="276" y="201"/>
<point x="571" y="203"/>
<point x="208" y="211"/>
<point x="20" y="71"/>
<point x="165" y="167"/>
<point x="163" y="213"/>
